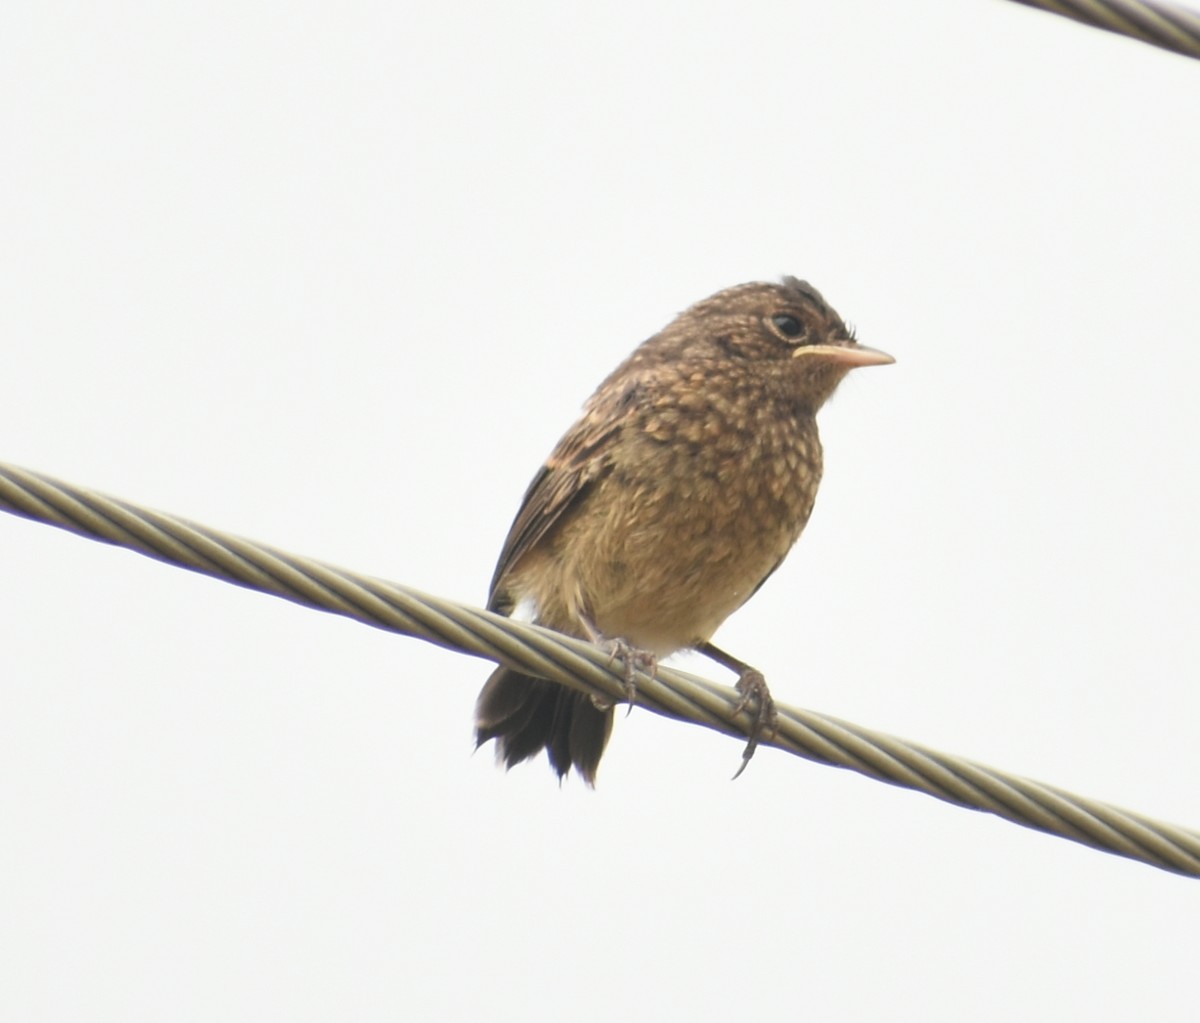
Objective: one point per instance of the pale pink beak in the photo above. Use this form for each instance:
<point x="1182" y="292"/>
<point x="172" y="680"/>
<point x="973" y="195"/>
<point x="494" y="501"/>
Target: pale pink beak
<point x="850" y="354"/>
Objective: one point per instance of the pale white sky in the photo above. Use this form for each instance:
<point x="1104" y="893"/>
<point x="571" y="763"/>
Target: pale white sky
<point x="336" y="277"/>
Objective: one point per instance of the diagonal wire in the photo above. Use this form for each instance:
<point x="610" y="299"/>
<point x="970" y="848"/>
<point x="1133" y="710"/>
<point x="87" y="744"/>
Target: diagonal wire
<point x="585" y="667"/>
<point x="1170" y="26"/>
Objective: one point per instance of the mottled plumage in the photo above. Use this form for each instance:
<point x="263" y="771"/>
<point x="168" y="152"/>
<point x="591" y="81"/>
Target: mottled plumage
<point x="681" y="488"/>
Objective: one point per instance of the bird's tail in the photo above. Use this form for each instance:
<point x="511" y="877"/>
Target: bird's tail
<point x="526" y="715"/>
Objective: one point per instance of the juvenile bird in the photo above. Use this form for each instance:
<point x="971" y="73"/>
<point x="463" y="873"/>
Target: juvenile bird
<point x="680" y="489"/>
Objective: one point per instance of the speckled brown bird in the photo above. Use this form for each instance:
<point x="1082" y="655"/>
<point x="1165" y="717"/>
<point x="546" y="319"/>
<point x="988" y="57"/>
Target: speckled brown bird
<point x="681" y="488"/>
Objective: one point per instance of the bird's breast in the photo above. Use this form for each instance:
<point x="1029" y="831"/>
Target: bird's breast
<point x="699" y="505"/>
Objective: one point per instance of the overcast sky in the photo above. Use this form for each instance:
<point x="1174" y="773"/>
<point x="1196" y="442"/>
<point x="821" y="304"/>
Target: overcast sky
<point x="337" y="277"/>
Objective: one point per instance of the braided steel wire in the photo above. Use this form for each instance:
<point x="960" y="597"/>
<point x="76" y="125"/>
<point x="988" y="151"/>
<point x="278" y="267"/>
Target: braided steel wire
<point x="582" y="666"/>
<point x="1169" y="26"/>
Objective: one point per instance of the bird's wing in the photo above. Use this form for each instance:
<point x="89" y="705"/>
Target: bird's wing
<point x="759" y="585"/>
<point x="581" y="459"/>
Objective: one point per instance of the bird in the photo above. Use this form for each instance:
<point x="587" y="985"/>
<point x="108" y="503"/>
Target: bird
<point x="690" y="474"/>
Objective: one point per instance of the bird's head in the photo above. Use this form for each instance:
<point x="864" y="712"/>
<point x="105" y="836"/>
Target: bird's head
<point x="786" y="333"/>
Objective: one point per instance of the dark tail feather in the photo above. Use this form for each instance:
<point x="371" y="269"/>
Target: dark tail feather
<point x="526" y="715"/>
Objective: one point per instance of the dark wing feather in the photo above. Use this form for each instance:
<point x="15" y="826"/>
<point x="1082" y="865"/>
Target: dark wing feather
<point x="759" y="586"/>
<point x="580" y="459"/>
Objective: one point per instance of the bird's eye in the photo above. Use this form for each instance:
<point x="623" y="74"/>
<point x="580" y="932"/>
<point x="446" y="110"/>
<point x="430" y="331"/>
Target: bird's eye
<point x="787" y="327"/>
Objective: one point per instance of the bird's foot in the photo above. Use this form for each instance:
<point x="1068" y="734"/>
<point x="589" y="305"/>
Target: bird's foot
<point x="753" y="687"/>
<point x="633" y="660"/>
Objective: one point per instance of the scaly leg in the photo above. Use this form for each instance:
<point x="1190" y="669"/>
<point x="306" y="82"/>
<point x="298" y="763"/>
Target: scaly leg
<point x="753" y="687"/>
<point x="633" y="659"/>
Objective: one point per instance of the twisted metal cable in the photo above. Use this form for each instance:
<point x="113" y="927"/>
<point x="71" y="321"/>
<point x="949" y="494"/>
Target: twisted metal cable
<point x="585" y="667"/>
<point x="1169" y="26"/>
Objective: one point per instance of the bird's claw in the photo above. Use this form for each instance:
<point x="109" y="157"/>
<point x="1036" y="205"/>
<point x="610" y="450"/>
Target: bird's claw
<point x="633" y="660"/>
<point x="753" y="687"/>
